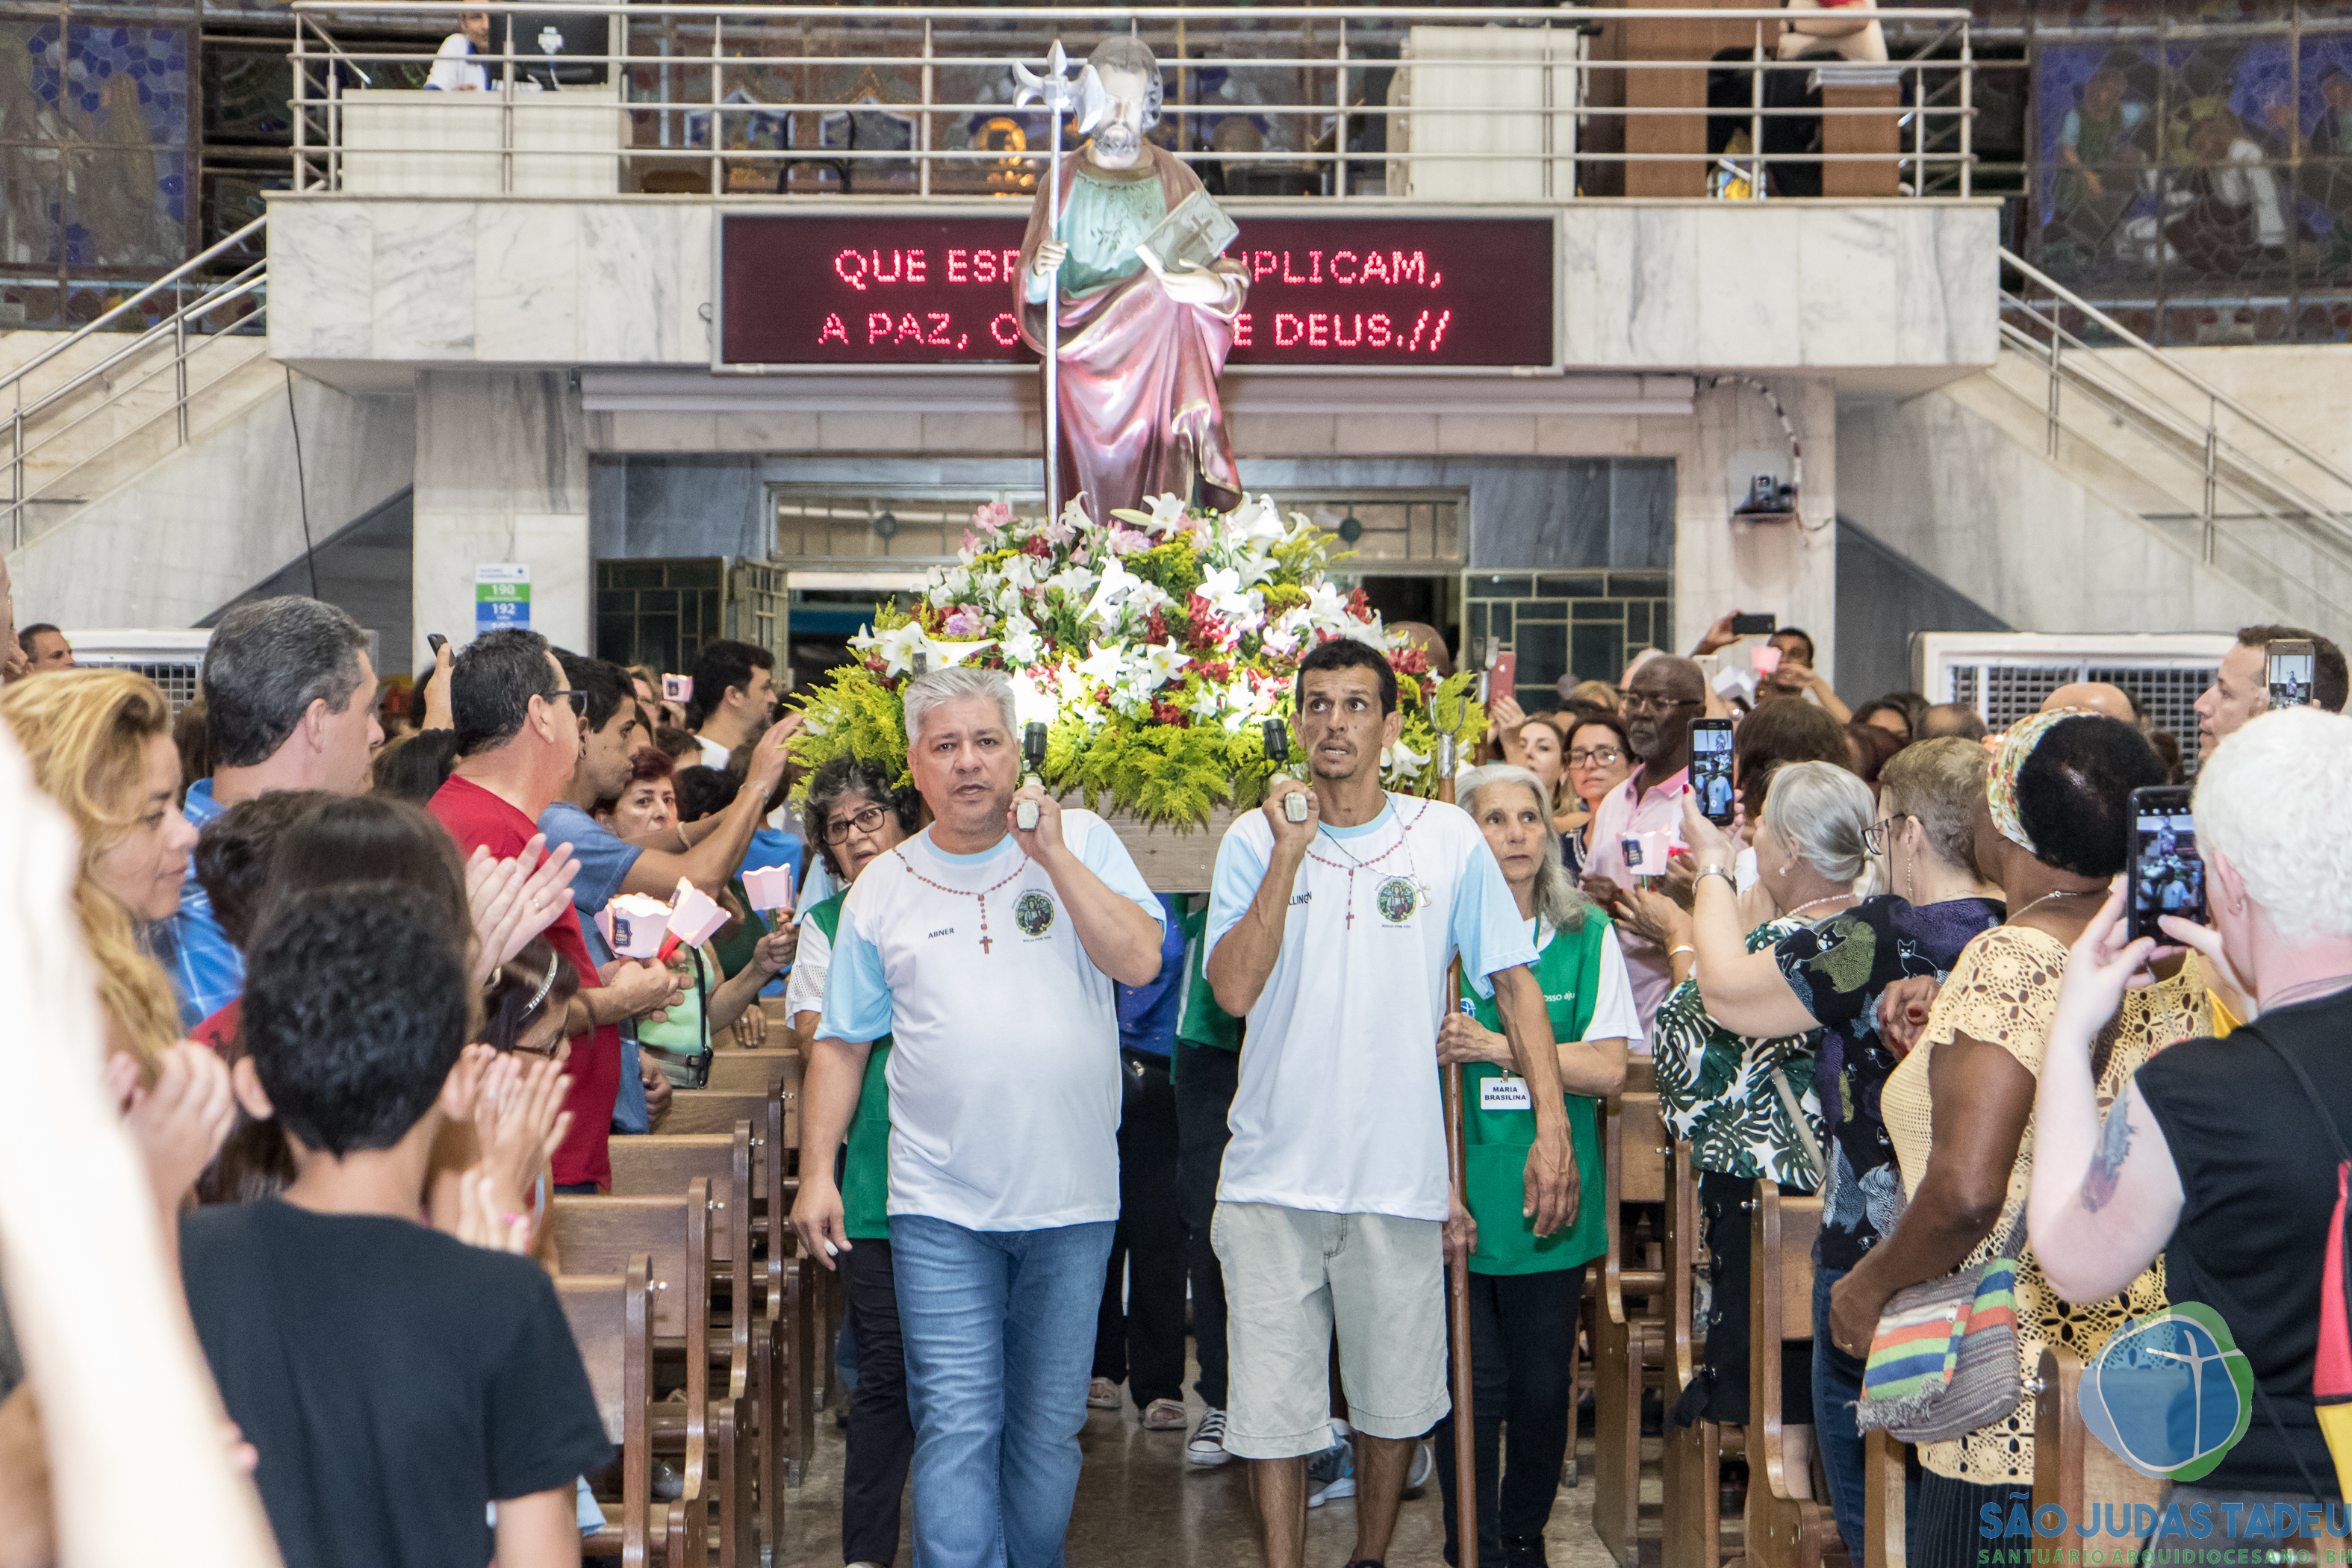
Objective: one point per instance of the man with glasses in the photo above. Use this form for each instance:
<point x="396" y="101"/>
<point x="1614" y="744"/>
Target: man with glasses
<point x="707" y="853"/>
<point x="1661" y="699"/>
<point x="519" y="731"/>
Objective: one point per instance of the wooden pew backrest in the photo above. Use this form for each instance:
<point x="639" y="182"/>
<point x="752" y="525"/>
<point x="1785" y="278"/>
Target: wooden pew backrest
<point x="761" y="1071"/>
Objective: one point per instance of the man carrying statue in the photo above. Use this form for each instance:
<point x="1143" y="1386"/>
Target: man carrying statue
<point x="1139" y="348"/>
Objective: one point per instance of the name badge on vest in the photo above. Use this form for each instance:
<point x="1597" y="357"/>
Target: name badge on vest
<point x="1505" y="1094"/>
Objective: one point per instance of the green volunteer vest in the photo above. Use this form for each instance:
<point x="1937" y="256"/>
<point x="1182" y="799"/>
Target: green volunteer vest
<point x="866" y="1168"/>
<point x="1496" y="1142"/>
<point x="1201" y="1024"/>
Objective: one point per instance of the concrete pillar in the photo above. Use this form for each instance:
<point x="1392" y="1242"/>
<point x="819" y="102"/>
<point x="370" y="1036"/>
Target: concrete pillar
<point x="1722" y="564"/>
<point x="501" y="476"/>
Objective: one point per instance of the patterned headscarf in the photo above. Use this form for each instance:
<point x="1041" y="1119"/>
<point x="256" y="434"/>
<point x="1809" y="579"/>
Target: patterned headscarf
<point x="2000" y="774"/>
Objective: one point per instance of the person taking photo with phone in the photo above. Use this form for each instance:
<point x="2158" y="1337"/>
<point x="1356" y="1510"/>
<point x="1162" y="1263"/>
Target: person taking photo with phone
<point x="1662" y="698"/>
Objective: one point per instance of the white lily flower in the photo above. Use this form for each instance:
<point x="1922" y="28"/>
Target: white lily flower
<point x="1161" y="663"/>
<point x="896" y="645"/>
<point x="1074" y="516"/>
<point x="1101" y="668"/>
<point x="1207" y="705"/>
<point x="1032" y="704"/>
<point x="948" y="655"/>
<point x="1117" y="583"/>
<point x="1256" y="521"/>
<point x="1021" y="644"/>
<point x="1403" y="760"/>
<point x="1166" y="513"/>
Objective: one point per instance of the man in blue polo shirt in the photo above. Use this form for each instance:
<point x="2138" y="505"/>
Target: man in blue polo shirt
<point x="289" y="704"/>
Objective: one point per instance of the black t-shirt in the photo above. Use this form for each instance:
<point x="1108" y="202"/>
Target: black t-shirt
<point x="2258" y="1183"/>
<point x="395" y="1381"/>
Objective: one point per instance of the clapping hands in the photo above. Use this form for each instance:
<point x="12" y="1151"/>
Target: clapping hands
<point x="515" y="900"/>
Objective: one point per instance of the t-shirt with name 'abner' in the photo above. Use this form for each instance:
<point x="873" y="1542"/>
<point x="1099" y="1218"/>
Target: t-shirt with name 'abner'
<point x="1004" y="1071"/>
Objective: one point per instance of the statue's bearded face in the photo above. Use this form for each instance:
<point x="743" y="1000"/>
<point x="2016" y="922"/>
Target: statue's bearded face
<point x="1118" y="137"/>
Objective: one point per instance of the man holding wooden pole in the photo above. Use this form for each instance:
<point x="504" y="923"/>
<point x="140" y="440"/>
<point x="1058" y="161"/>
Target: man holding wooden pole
<point x="1335" y="1209"/>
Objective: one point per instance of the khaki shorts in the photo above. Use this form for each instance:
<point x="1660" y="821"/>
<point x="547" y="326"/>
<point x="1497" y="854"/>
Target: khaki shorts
<point x="1291" y="1276"/>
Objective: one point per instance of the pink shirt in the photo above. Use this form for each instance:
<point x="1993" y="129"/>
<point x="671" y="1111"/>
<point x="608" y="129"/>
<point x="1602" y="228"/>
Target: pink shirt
<point x="1658" y="809"/>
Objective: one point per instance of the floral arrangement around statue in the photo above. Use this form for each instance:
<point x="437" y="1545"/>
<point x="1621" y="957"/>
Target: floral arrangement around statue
<point x="1153" y="646"/>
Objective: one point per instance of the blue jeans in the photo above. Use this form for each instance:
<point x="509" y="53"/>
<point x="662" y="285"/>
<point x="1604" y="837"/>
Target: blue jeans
<point x="1837" y="1383"/>
<point x="999" y="1332"/>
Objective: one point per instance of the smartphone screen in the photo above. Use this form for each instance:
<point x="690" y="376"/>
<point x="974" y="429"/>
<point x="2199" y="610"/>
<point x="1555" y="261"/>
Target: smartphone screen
<point x="2290" y="673"/>
<point x="1503" y="679"/>
<point x="1711" y="768"/>
<point x="2167" y="875"/>
<point x="1754" y="625"/>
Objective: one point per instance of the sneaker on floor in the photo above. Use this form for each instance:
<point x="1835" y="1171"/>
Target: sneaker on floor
<point x="1332" y="1473"/>
<point x="1207" y="1444"/>
<point x="1164" y="1415"/>
<point x="1524" y="1552"/>
<point x="1424" y="1465"/>
<point x="1102" y="1393"/>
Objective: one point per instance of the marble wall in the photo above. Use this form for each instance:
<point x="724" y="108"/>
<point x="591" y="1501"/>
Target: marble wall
<point x="502" y="475"/>
<point x="1893" y="286"/>
<point x="1797" y="284"/>
<point x="1965" y="500"/>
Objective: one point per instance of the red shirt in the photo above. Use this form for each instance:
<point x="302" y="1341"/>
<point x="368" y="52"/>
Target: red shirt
<point x="474" y="817"/>
<point x="219" y="1031"/>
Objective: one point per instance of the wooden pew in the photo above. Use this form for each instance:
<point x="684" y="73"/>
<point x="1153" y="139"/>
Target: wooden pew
<point x="1783" y="1530"/>
<point x="755" y="1072"/>
<point x="1884" y="1502"/>
<point x="609" y="1315"/>
<point x="2072" y="1468"/>
<point x="662" y="1166"/>
<point x="1691" y="1465"/>
<point x="1634" y="1155"/>
<point x="718" y="1111"/>
<point x="600" y="1236"/>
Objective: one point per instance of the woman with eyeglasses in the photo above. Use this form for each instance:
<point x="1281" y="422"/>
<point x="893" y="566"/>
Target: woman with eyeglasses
<point x="854" y="818"/>
<point x="710" y="997"/>
<point x="1597" y="758"/>
<point x="1829" y="975"/>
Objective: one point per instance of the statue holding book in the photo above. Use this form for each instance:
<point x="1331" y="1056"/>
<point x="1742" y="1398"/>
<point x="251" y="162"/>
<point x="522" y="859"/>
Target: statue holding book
<point x="1142" y="304"/>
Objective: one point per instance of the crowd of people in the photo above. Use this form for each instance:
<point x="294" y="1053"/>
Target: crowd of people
<point x="355" y="1029"/>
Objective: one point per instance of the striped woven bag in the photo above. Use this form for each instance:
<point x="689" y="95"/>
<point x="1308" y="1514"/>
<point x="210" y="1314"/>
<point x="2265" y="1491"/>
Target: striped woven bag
<point x="1944" y="1361"/>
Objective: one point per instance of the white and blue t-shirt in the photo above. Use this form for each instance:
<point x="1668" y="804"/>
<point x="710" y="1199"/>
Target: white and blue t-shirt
<point x="1337" y="1109"/>
<point x="1005" y="1087"/>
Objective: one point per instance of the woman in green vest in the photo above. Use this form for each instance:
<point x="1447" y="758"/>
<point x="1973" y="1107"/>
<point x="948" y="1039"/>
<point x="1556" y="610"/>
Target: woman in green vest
<point x="1524" y="1288"/>
<point x="853" y="817"/>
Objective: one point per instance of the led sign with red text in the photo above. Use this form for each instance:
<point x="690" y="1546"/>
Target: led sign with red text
<point x="849" y="288"/>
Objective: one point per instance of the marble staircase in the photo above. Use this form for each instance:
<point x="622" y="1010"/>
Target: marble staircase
<point x="241" y="499"/>
<point x="1959" y="482"/>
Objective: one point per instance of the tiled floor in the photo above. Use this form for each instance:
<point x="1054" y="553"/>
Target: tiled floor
<point x="1139" y="1504"/>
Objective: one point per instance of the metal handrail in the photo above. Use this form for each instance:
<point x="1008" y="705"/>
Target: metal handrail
<point x="15" y="377"/>
<point x="177" y="363"/>
<point x="231" y="289"/>
<point x="172" y="329"/>
<point x="2219" y="399"/>
<point x="1298" y="36"/>
<point x="2208" y="440"/>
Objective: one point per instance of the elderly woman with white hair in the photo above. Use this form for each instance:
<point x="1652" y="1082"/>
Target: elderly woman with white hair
<point x="1737" y="1098"/>
<point x="2223" y="1156"/>
<point x="1524" y="1288"/>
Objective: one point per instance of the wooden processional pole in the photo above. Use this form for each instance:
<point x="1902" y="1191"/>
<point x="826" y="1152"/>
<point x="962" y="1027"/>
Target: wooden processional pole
<point x="1457" y="1270"/>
